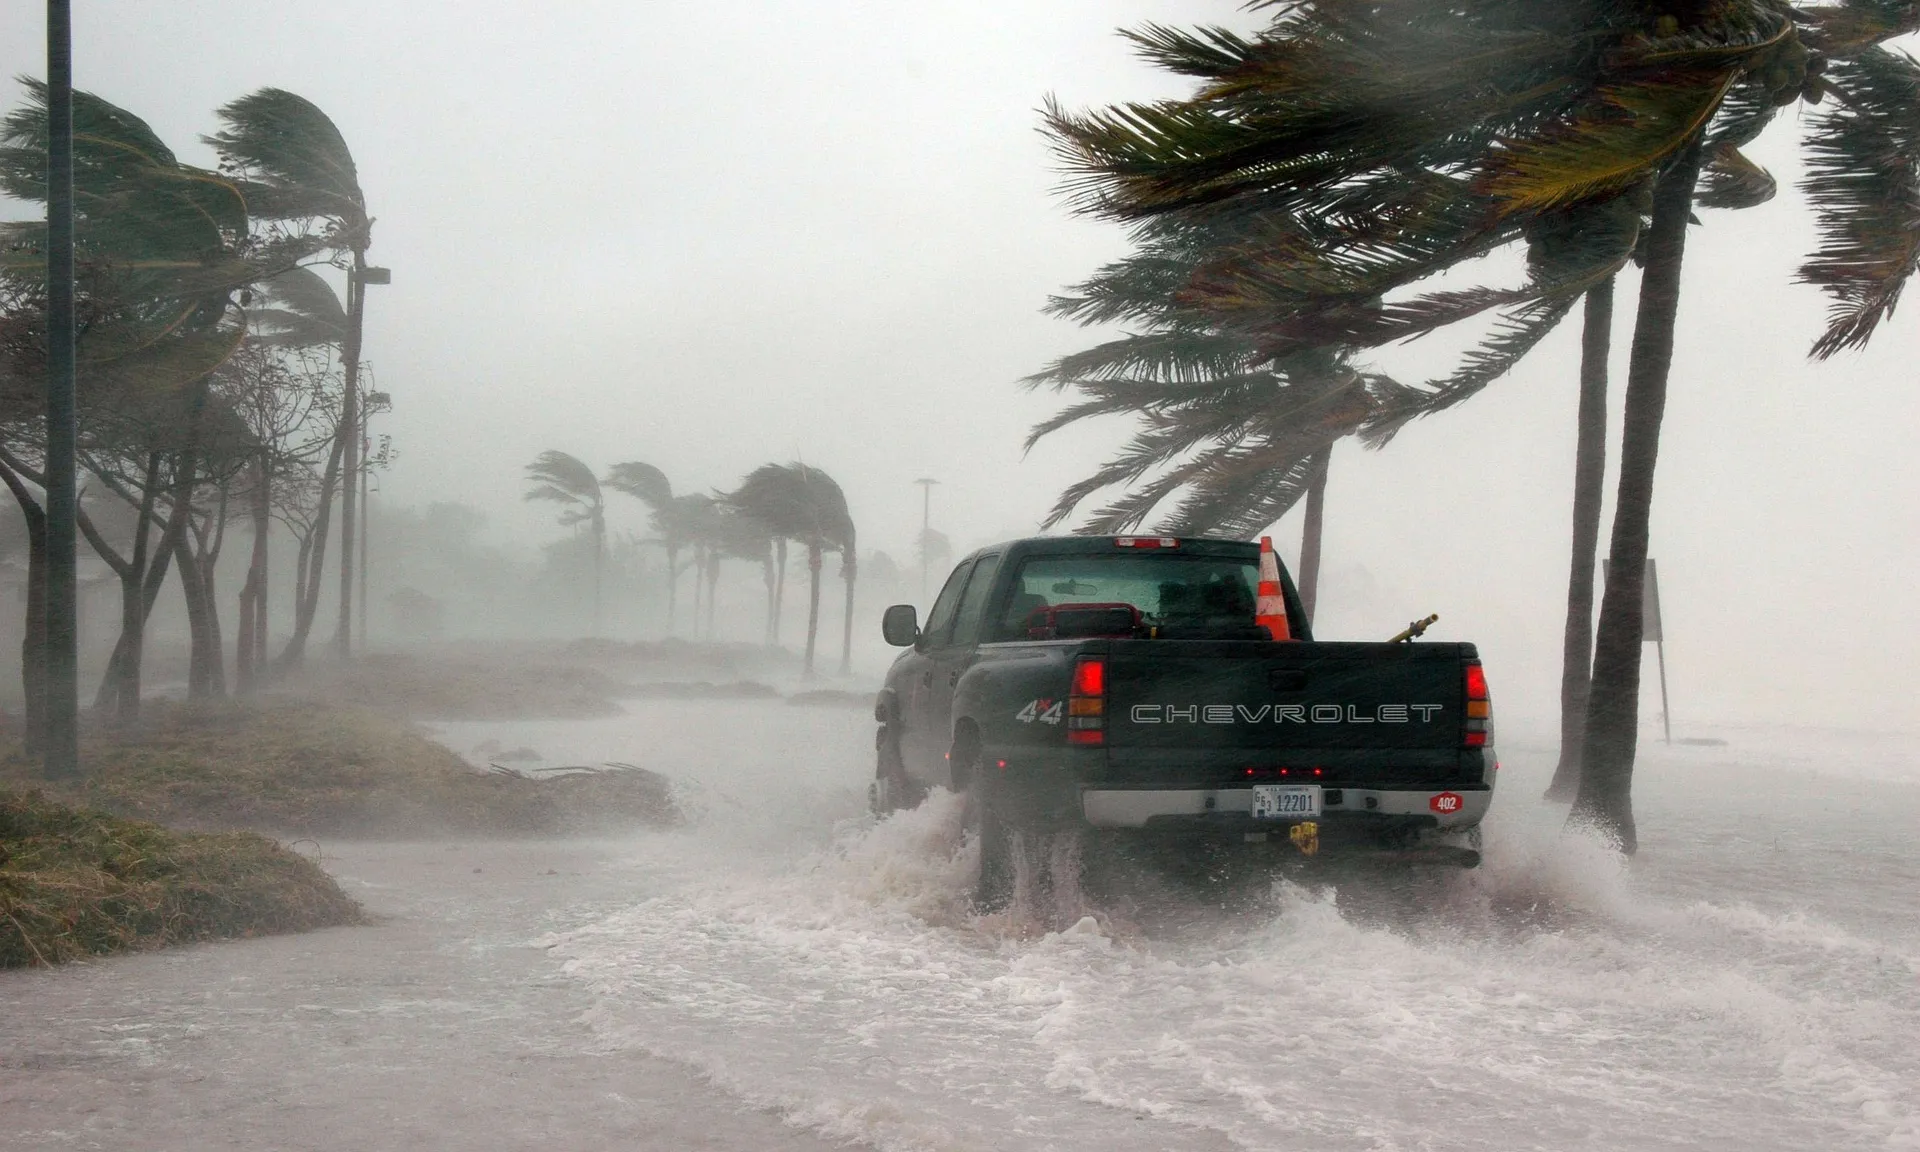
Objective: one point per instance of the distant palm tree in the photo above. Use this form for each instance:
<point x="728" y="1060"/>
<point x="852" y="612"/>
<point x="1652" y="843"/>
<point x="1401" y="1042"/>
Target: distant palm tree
<point x="801" y="503"/>
<point x="650" y="486"/>
<point x="568" y="482"/>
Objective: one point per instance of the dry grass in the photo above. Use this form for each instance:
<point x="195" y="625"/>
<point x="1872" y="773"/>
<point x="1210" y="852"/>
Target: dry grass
<point x="299" y="767"/>
<point x="76" y="883"/>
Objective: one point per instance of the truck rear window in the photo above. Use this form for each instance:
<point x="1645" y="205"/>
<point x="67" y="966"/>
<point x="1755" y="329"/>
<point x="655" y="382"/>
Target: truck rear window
<point x="1174" y="594"/>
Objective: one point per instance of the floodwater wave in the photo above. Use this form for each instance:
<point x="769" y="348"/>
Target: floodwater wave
<point x="1728" y="989"/>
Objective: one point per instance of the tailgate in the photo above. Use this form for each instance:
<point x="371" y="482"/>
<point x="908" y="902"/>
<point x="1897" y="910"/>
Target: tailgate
<point x="1258" y="704"/>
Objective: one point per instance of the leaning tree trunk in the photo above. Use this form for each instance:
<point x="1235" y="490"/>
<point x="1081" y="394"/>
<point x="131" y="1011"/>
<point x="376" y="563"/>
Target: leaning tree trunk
<point x="1310" y="531"/>
<point x="119" y="691"/>
<point x="813" y="604"/>
<point x="251" y="640"/>
<point x="122" y="683"/>
<point x="209" y="563"/>
<point x="713" y="594"/>
<point x="193" y="586"/>
<point x="33" y="638"/>
<point x="1605" y="797"/>
<point x="314" y="554"/>
<point x="1589" y="482"/>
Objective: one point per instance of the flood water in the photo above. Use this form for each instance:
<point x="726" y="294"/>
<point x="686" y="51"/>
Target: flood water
<point x="1750" y="981"/>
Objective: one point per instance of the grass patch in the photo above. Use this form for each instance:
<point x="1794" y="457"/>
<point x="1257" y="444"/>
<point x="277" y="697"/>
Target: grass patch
<point x="463" y="685"/>
<point x="76" y="883"/>
<point x="299" y="767"/>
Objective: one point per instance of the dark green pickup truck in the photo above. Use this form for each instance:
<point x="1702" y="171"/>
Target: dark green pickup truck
<point x="1123" y="683"/>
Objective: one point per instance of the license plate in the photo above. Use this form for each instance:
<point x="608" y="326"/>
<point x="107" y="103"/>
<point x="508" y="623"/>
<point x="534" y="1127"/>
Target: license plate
<point x="1285" y="801"/>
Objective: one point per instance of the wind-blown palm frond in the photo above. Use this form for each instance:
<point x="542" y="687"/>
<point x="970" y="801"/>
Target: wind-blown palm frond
<point x="1609" y="142"/>
<point x="300" y="311"/>
<point x="641" y="481"/>
<point x="295" y="162"/>
<point x="1864" y="181"/>
<point x="1730" y="180"/>
<point x="565" y="480"/>
<point x="160" y="247"/>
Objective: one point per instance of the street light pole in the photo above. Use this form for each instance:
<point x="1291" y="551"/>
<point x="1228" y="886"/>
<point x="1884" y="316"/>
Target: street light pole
<point x="61" y="641"/>
<point x="926" y="524"/>
<point x="358" y="277"/>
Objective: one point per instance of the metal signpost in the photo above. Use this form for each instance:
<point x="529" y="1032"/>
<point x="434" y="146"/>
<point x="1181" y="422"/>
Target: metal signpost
<point x="61" y="687"/>
<point x="1651" y="629"/>
<point x="926" y="522"/>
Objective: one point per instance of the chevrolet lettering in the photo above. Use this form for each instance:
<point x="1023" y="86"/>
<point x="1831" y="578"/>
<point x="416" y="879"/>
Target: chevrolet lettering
<point x="1172" y="689"/>
<point x="1284" y="713"/>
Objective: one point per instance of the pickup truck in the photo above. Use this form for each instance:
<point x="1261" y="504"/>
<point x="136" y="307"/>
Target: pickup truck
<point x="1123" y="683"/>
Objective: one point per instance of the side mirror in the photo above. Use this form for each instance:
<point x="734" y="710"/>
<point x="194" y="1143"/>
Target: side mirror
<point x="901" y="625"/>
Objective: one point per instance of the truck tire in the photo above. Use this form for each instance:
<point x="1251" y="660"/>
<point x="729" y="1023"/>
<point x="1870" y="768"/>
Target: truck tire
<point x="994" y="875"/>
<point x="892" y="790"/>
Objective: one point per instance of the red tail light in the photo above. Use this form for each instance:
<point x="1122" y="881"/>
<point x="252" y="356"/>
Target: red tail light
<point x="1477" y="730"/>
<point x="1087" y="702"/>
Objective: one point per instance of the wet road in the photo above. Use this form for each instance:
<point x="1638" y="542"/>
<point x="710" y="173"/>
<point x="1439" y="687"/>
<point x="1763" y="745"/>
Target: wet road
<point x="441" y="1026"/>
<point x="787" y="973"/>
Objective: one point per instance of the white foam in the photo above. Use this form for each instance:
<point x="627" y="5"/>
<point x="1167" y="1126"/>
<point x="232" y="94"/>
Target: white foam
<point x="1558" y="997"/>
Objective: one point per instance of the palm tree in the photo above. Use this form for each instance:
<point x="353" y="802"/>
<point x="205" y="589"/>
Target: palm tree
<point x="295" y="166"/>
<point x="801" y="503"/>
<point x="1377" y="144"/>
<point x="569" y="483"/>
<point x="650" y="486"/>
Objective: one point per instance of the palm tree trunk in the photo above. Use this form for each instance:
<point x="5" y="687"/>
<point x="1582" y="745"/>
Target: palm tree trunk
<point x="599" y="565"/>
<point x="699" y="588"/>
<point x="672" y="584"/>
<point x="779" y="586"/>
<point x="813" y="603"/>
<point x="848" y="571"/>
<point x="766" y="576"/>
<point x="1589" y="482"/>
<point x="713" y="592"/>
<point x="1605" y="797"/>
<point x="1310" y="532"/>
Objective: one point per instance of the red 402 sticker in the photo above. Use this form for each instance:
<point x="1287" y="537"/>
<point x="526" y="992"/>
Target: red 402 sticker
<point x="1446" y="803"/>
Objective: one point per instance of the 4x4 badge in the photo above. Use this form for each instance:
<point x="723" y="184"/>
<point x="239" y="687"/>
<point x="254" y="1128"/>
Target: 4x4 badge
<point x="1044" y="710"/>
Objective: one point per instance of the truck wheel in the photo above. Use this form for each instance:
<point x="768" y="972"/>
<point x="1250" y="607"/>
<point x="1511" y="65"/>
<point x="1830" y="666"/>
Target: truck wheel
<point x="891" y="791"/>
<point x="994" y="877"/>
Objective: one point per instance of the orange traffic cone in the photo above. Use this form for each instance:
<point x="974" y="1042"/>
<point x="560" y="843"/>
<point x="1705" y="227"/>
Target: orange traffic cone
<point x="1271" y="613"/>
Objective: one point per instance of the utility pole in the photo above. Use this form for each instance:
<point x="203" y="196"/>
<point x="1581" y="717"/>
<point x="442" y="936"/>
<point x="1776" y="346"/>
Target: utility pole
<point x="62" y="689"/>
<point x="358" y="277"/>
<point x="376" y="402"/>
<point x="926" y="524"/>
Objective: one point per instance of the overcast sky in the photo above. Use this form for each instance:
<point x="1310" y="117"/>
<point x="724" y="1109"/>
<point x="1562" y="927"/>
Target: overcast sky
<point x="709" y="236"/>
